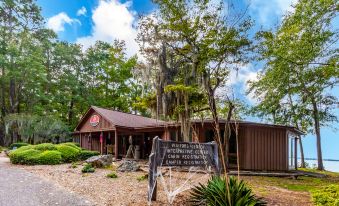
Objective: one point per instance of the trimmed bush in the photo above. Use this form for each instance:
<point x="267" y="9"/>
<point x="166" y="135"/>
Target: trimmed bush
<point x="68" y="154"/>
<point x="85" y="154"/>
<point x="49" y="158"/>
<point x="88" y="168"/>
<point x="45" y="146"/>
<point x="18" y="145"/>
<point x="24" y="156"/>
<point x="72" y="144"/>
<point x="215" y="193"/>
<point x="49" y="154"/>
<point x="327" y="196"/>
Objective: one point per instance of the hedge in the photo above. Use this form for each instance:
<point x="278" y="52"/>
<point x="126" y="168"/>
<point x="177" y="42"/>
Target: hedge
<point x="18" y="145"/>
<point x="68" y="153"/>
<point x="72" y="144"/>
<point x="49" y="154"/>
<point x="45" y="146"/>
<point x="24" y="156"/>
<point x="85" y="154"/>
<point x="49" y="158"/>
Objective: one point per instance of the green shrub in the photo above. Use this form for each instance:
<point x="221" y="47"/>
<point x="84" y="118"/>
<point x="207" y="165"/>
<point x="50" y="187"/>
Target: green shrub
<point x="24" y="156"/>
<point x="72" y="144"/>
<point x="68" y="154"/>
<point x="44" y="153"/>
<point x="2" y="149"/>
<point x="215" y="193"/>
<point x="48" y="158"/>
<point x="328" y="196"/>
<point x="74" y="165"/>
<point x="88" y="168"/>
<point x="142" y="177"/>
<point x="85" y="154"/>
<point x="18" y="145"/>
<point x="112" y="175"/>
<point x="45" y="146"/>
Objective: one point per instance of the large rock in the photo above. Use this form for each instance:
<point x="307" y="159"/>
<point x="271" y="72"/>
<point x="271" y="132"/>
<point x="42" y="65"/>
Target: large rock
<point x="100" y="160"/>
<point x="128" y="166"/>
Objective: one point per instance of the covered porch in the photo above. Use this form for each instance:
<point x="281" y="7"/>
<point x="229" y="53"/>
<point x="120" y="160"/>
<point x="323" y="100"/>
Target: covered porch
<point x="121" y="143"/>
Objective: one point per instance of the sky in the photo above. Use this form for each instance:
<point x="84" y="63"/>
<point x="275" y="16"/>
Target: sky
<point x="85" y="21"/>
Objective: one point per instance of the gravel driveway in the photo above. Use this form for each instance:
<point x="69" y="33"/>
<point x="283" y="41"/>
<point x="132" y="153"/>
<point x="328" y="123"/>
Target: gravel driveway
<point x="21" y="188"/>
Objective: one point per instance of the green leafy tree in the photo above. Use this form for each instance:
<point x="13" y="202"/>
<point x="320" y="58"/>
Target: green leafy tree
<point x="194" y="43"/>
<point x="19" y="20"/>
<point x="301" y="68"/>
<point x="110" y="81"/>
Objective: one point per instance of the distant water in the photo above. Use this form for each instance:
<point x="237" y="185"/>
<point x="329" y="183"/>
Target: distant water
<point x="332" y="166"/>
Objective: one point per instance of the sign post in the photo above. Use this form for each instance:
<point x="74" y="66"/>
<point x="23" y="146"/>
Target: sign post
<point x="179" y="154"/>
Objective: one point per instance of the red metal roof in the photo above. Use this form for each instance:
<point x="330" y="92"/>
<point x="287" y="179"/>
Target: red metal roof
<point x="122" y="119"/>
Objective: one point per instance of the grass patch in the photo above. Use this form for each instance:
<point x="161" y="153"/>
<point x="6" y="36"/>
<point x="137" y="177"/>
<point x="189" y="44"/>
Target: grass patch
<point x="74" y="165"/>
<point x="142" y="177"/>
<point x="326" y="196"/>
<point x="328" y="173"/>
<point x="324" y="191"/>
<point x="112" y="175"/>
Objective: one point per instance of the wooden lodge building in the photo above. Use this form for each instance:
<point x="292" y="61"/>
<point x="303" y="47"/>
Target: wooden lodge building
<point x="263" y="147"/>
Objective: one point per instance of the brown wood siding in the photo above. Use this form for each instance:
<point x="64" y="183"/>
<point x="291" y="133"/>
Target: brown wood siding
<point x="96" y="143"/>
<point x="263" y="148"/>
<point x="102" y="126"/>
<point x="85" y="141"/>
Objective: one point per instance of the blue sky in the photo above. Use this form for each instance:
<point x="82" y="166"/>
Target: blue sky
<point x="85" y="21"/>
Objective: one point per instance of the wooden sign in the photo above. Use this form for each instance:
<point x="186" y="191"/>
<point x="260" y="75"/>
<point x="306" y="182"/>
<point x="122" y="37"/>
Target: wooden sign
<point x="180" y="154"/>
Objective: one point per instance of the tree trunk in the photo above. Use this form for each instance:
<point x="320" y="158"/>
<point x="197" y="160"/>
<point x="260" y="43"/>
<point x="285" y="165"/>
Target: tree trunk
<point x="3" y="89"/>
<point x="302" y="158"/>
<point x="213" y="109"/>
<point x="2" y="134"/>
<point x="227" y="133"/>
<point x="317" y="133"/>
<point x="12" y="98"/>
<point x="70" y="111"/>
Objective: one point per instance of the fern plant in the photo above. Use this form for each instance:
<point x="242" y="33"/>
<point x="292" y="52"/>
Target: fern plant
<point x="215" y="193"/>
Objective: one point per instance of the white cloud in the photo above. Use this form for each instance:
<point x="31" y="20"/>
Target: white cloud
<point x="266" y="11"/>
<point x="57" y="22"/>
<point x="113" y="20"/>
<point x="82" y="11"/>
<point x="239" y="79"/>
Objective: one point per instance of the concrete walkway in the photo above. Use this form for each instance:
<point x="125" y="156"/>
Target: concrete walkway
<point x="21" y="188"/>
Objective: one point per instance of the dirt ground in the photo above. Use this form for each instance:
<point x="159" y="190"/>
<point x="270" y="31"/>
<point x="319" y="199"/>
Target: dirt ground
<point x="128" y="190"/>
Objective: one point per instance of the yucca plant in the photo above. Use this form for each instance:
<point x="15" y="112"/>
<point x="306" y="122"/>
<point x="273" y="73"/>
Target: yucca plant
<point x="215" y="193"/>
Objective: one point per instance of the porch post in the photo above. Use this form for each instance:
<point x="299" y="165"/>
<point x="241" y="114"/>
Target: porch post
<point x="80" y="141"/>
<point x="101" y="139"/>
<point x="142" y="146"/>
<point x="116" y="146"/>
<point x="90" y="140"/>
<point x="295" y="153"/>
